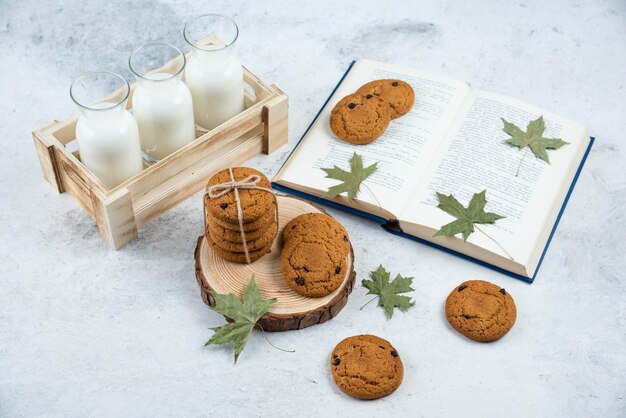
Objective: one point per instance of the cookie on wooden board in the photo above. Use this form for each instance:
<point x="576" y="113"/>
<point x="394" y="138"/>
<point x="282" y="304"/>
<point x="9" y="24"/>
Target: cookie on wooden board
<point x="235" y="236"/>
<point x="260" y="223"/>
<point x="481" y="310"/>
<point x="313" y="257"/>
<point x="360" y="119"/>
<point x="366" y="367"/>
<point x="319" y="223"/>
<point x="267" y="237"/>
<point x="254" y="203"/>
<point x="397" y="93"/>
<point x="312" y="266"/>
<point x="237" y="257"/>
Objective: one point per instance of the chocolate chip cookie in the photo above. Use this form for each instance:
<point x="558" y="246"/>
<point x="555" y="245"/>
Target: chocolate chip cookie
<point x="313" y="257"/>
<point x="481" y="310"/>
<point x="235" y="236"/>
<point x="254" y="203"/>
<point x="253" y="244"/>
<point x="398" y="94"/>
<point x="261" y="223"/>
<point x="366" y="367"/>
<point x="321" y="224"/>
<point x="360" y="119"/>
<point x="237" y="257"/>
<point x="311" y="266"/>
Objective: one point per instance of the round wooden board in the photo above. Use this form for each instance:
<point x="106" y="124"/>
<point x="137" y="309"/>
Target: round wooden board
<point x="291" y="311"/>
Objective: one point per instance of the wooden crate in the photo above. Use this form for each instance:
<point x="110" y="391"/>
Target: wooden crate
<point x="119" y="212"/>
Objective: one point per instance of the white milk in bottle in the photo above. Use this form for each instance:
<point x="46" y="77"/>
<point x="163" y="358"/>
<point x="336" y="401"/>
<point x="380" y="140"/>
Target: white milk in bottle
<point x="107" y="134"/>
<point x="162" y="103"/>
<point x="214" y="74"/>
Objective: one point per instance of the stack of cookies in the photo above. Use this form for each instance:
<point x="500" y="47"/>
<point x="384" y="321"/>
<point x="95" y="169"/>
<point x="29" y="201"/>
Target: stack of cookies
<point x="258" y="216"/>
<point x="313" y="259"/>
<point x="363" y="116"/>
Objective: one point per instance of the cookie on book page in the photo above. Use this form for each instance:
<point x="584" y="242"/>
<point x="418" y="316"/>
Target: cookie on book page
<point x="360" y="119"/>
<point x="366" y="367"/>
<point x="481" y="310"/>
<point x="397" y="93"/>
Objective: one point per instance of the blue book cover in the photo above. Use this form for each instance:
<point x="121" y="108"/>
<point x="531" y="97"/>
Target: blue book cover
<point x="393" y="226"/>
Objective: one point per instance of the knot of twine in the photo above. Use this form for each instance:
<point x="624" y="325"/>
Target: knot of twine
<point x="251" y="183"/>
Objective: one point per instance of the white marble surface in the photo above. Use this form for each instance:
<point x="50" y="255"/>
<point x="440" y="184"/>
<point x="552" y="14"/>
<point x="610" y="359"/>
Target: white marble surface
<point x="86" y="331"/>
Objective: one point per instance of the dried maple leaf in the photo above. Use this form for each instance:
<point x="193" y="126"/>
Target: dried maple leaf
<point x="244" y="316"/>
<point x="350" y="180"/>
<point x="533" y="138"/>
<point x="466" y="217"/>
<point x="387" y="291"/>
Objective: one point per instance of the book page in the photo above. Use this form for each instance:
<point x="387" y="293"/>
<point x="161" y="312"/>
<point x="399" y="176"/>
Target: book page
<point x="402" y="152"/>
<point x="521" y="187"/>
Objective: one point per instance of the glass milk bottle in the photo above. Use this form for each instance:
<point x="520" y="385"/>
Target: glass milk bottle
<point x="161" y="102"/>
<point x="107" y="134"/>
<point x="214" y="74"/>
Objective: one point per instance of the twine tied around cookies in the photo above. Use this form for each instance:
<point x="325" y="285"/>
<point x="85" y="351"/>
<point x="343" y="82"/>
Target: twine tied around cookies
<point x="250" y="183"/>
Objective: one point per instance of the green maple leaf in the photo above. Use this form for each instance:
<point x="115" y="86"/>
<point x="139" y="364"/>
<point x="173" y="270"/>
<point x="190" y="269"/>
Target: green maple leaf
<point x="388" y="291"/>
<point x="351" y="180"/>
<point x="244" y="316"/>
<point x="466" y="217"/>
<point x="532" y="138"/>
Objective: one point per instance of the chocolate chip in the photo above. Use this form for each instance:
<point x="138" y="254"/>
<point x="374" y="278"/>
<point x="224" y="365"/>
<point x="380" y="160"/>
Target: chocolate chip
<point x="382" y="346"/>
<point x="306" y="270"/>
<point x="352" y="105"/>
<point x="369" y="96"/>
<point x="503" y="291"/>
<point x="467" y="317"/>
<point x="345" y="238"/>
<point x="299" y="281"/>
<point x="297" y="268"/>
<point x="337" y="269"/>
<point x="336" y="361"/>
<point x="395" y="84"/>
<point x="462" y="287"/>
<point x="394" y="353"/>
<point x="223" y="205"/>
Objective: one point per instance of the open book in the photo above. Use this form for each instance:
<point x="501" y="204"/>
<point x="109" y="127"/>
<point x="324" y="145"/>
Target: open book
<point x="450" y="142"/>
